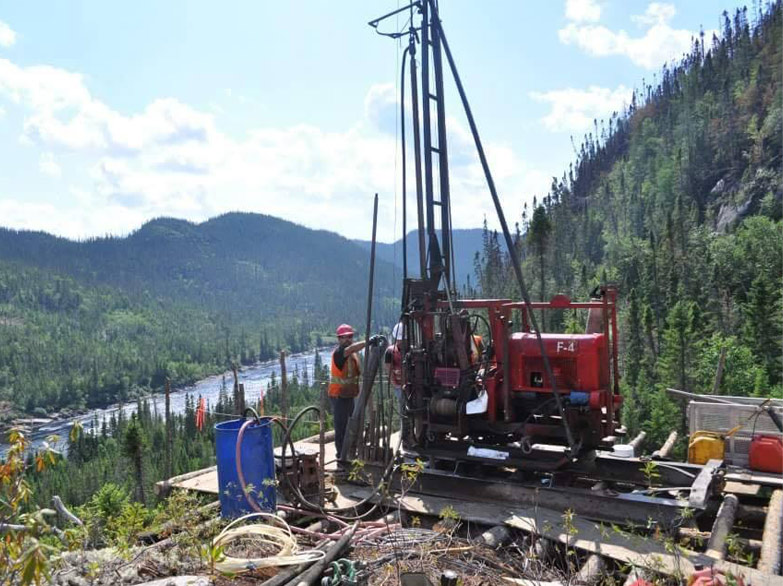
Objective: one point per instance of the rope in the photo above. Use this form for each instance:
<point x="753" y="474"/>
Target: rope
<point x="281" y="537"/>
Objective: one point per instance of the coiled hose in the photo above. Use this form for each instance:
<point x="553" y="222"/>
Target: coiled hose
<point x="337" y="513"/>
<point x="279" y="536"/>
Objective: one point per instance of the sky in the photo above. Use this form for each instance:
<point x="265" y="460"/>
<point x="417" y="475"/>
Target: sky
<point x="112" y="114"/>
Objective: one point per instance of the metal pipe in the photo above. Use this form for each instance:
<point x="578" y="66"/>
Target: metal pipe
<point x="354" y="426"/>
<point x="404" y="169"/>
<point x="354" y="423"/>
<point x="311" y="575"/>
<point x="374" y="23"/>
<point x="169" y="431"/>
<point x="322" y="448"/>
<point x="772" y="539"/>
<point x="368" y="321"/>
<point x="443" y="157"/>
<point x="506" y="374"/>
<point x="506" y="234"/>
<point x="615" y="367"/>
<point x="417" y="155"/>
<point x="427" y="124"/>
<point x="283" y="387"/>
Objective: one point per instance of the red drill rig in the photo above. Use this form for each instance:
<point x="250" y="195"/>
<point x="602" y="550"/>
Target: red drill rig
<point x="513" y="396"/>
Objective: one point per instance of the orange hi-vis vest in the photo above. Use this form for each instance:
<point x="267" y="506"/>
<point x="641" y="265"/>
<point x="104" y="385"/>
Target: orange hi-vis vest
<point x="476" y="348"/>
<point x="345" y="383"/>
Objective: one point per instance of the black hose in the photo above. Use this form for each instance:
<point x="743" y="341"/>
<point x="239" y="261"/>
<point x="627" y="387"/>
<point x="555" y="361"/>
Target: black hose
<point x="335" y="512"/>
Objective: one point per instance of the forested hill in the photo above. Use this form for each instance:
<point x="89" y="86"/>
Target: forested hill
<point x="678" y="200"/>
<point x="236" y="264"/>
<point x="86" y="323"/>
<point x="466" y="242"/>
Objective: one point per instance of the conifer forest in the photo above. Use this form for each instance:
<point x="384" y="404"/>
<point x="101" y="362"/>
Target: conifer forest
<point x="678" y="200"/>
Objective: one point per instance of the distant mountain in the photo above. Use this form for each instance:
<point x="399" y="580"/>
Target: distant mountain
<point x="89" y="323"/>
<point x="467" y="242"/>
<point x="243" y="266"/>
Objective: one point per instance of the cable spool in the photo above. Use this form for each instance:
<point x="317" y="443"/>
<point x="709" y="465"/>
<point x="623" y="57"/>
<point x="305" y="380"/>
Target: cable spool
<point x="280" y="536"/>
<point x="443" y="407"/>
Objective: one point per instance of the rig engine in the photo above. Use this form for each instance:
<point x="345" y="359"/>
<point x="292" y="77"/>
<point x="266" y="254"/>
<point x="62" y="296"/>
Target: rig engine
<point x="476" y="389"/>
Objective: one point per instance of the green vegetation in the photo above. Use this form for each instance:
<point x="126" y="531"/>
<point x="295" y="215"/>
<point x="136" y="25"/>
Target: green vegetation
<point x="85" y="324"/>
<point x="128" y="452"/>
<point x="678" y="200"/>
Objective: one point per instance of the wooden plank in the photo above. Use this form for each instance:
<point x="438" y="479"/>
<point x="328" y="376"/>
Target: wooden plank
<point x="741" y="489"/>
<point x="749" y="477"/>
<point x="206" y="481"/>
<point x="581" y="534"/>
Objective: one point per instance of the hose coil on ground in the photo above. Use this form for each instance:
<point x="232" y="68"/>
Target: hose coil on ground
<point x="279" y="536"/>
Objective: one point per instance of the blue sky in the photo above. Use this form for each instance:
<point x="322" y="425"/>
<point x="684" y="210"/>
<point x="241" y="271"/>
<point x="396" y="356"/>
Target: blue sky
<point x="114" y="113"/>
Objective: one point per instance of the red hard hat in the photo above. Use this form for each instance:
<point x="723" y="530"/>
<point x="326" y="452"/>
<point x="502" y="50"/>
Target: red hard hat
<point x="344" y="330"/>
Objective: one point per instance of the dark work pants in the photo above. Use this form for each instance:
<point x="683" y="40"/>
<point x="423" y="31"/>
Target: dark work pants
<point x="342" y="409"/>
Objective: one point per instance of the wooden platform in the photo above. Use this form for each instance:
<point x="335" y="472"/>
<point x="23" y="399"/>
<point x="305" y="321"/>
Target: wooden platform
<point x="206" y="480"/>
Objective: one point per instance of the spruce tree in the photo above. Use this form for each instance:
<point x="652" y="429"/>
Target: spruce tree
<point x="762" y="329"/>
<point x="134" y="447"/>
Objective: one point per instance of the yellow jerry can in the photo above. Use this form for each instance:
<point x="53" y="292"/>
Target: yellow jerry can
<point x="704" y="446"/>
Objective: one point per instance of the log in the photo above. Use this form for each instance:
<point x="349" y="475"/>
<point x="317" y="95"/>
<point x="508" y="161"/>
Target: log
<point x="772" y="540"/>
<point x="663" y="452"/>
<point x="750" y="545"/>
<point x="64" y="512"/>
<point x="591" y="571"/>
<point x="637" y="442"/>
<point x="724" y="522"/>
<point x="495" y="537"/>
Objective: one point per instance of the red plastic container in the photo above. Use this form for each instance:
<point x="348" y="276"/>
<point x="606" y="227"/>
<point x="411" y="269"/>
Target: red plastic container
<point x="766" y="453"/>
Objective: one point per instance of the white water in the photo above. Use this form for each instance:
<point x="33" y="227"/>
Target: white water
<point x="255" y="379"/>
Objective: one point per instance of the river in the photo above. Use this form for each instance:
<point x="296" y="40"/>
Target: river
<point x="255" y="378"/>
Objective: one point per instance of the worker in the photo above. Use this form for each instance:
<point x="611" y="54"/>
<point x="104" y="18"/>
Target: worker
<point x="393" y="362"/>
<point x="344" y="384"/>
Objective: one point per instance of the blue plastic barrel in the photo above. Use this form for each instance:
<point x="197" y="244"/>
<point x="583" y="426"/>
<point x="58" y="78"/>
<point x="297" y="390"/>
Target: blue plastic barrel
<point x="258" y="466"/>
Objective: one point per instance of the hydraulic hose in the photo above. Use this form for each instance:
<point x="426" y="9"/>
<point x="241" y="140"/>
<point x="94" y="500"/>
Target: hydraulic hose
<point x="334" y="514"/>
<point x="338" y="511"/>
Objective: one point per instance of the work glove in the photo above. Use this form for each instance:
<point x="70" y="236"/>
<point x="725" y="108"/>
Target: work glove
<point x="376" y="340"/>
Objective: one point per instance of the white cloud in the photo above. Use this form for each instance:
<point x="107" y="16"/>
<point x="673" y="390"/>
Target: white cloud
<point x="48" y="165"/>
<point x="171" y="159"/>
<point x="7" y="35"/>
<point x="659" y="44"/>
<point x="582" y="10"/>
<point x="573" y="110"/>
<point x="656" y="13"/>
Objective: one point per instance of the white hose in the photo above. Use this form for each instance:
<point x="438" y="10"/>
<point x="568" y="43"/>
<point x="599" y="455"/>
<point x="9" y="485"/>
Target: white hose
<point x="282" y="537"/>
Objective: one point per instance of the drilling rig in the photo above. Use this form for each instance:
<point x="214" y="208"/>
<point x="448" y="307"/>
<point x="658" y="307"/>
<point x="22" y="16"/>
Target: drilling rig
<point x="481" y="381"/>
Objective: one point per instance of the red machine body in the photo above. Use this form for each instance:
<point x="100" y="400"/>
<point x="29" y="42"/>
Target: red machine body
<point x="520" y="401"/>
<point x="579" y="363"/>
